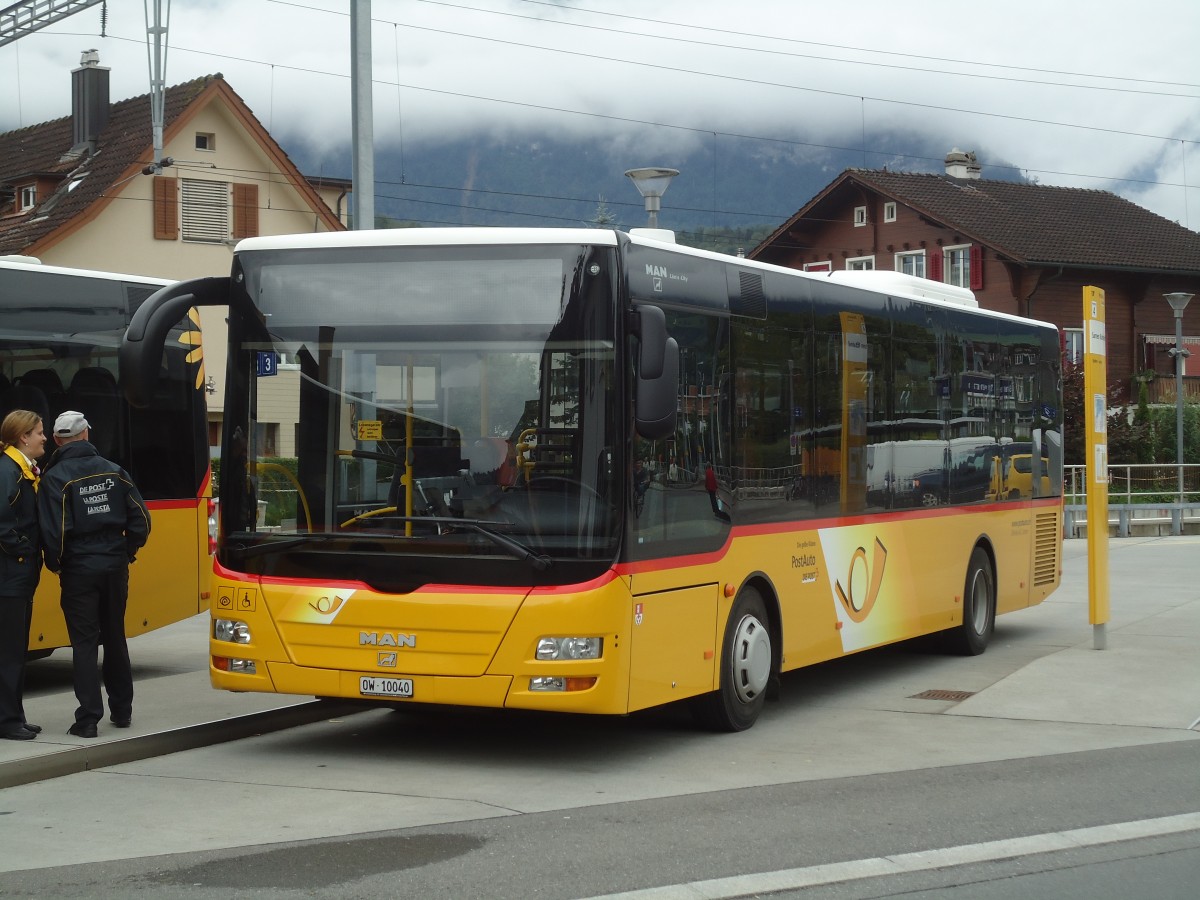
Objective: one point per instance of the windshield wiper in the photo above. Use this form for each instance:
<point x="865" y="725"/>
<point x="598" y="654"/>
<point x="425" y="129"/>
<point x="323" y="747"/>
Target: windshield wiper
<point x="515" y="548"/>
<point x="540" y="561"/>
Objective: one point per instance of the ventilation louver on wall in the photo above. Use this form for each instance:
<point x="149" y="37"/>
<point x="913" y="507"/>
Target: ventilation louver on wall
<point x="746" y="297"/>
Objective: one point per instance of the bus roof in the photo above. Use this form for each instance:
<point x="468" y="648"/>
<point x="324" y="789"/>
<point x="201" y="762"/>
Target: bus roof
<point x="897" y="283"/>
<point x="877" y="281"/>
<point x="448" y="237"/>
<point x="31" y="264"/>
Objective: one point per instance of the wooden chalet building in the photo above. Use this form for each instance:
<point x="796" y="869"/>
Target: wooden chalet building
<point x="82" y="191"/>
<point x="1026" y="249"/>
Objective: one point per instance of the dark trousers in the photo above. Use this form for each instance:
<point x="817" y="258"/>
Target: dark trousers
<point x="94" y="607"/>
<point x="15" y="615"/>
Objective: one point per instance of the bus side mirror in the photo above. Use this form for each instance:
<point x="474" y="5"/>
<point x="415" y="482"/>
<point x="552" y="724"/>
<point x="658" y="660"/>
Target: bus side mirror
<point x="657" y="399"/>
<point x="141" y="348"/>
<point x="650" y="325"/>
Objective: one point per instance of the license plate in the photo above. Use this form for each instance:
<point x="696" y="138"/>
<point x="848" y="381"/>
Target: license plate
<point x="375" y="686"/>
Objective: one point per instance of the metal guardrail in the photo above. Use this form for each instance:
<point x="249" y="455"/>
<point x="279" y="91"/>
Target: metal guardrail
<point x="1142" y="518"/>
<point x="1142" y="499"/>
<point x="1135" y="483"/>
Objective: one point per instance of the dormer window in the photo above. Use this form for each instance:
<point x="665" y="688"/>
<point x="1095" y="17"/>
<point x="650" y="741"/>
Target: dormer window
<point x="27" y="197"/>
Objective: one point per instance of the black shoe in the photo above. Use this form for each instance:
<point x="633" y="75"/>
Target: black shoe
<point x="18" y="734"/>
<point x="36" y="729"/>
<point x="83" y="729"/>
<point x="119" y="722"/>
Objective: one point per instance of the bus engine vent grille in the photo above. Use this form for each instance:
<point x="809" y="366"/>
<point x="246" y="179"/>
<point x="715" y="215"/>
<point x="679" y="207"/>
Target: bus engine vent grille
<point x="750" y="300"/>
<point x="1046" y="545"/>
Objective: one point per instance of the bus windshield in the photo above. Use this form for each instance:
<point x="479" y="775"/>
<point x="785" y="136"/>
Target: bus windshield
<point x="450" y="404"/>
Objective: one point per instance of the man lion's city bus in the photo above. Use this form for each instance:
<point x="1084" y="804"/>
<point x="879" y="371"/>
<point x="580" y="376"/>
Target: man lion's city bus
<point x="589" y="471"/>
<point x="60" y="330"/>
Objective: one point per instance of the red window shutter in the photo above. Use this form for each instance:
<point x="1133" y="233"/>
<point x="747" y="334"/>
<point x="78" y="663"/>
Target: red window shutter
<point x="245" y="211"/>
<point x="935" y="265"/>
<point x="166" y="208"/>
<point x="976" y="267"/>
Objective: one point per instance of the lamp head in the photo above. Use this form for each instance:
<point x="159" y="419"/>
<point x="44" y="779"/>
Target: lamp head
<point x="652" y="181"/>
<point x="652" y="184"/>
<point x="1178" y="301"/>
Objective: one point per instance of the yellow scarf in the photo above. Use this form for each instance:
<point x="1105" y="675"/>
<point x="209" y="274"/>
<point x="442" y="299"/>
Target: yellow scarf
<point x="21" y="460"/>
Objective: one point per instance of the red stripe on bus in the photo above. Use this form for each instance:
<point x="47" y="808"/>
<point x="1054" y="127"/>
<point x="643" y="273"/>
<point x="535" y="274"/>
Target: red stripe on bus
<point x="186" y="503"/>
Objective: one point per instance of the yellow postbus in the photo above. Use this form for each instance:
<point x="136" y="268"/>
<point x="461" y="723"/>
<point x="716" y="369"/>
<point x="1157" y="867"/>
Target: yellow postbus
<point x="590" y="471"/>
<point x="60" y="330"/>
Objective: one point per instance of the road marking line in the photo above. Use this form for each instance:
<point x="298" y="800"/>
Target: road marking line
<point x="923" y="860"/>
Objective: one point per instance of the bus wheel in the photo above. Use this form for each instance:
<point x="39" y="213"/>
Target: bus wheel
<point x="747" y="659"/>
<point x="979" y="608"/>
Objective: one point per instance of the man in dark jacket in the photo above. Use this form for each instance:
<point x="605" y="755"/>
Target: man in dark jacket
<point x="93" y="523"/>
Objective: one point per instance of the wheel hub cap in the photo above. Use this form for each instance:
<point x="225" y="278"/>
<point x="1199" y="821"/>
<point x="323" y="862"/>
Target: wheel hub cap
<point x="752" y="659"/>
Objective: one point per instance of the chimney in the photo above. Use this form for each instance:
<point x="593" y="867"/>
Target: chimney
<point x="962" y="165"/>
<point x="89" y="101"/>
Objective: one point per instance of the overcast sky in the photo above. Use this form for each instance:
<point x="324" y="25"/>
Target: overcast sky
<point x="1083" y="93"/>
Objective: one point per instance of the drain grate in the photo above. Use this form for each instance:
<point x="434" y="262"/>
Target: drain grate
<point x="954" y="696"/>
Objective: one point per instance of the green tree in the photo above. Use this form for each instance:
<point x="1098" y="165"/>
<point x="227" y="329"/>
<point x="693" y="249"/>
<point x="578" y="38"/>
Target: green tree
<point x="1143" y="422"/>
<point x="603" y="217"/>
<point x="1128" y="437"/>
<point x="723" y="240"/>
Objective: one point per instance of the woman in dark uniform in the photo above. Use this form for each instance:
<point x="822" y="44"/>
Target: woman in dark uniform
<point x="22" y="441"/>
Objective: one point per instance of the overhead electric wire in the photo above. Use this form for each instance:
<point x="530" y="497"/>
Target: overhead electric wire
<point x="736" y="135"/>
<point x="724" y="46"/>
<point x="688" y="128"/>
<point x="773" y="37"/>
<point x="767" y="50"/>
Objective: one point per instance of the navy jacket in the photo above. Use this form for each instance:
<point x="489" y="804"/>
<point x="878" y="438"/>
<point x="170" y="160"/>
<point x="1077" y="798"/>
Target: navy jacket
<point x="93" y="519"/>
<point x="20" y="542"/>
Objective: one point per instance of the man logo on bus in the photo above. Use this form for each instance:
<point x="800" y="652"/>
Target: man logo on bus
<point x="858" y="603"/>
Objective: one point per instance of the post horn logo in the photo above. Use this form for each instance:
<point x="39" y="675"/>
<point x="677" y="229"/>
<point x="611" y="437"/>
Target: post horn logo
<point x="858" y="604"/>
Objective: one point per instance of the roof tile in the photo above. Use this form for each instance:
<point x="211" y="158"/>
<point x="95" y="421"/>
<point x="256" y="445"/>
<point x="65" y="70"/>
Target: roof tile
<point x="1041" y="224"/>
<point x="42" y="149"/>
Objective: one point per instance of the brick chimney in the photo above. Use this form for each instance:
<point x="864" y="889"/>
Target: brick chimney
<point x="962" y="165"/>
<point x="89" y="101"/>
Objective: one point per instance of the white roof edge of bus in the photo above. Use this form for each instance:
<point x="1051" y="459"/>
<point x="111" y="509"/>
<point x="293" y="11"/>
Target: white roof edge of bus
<point x="662" y="235"/>
<point x="916" y="288"/>
<point x="8" y="262"/>
<point x="888" y="282"/>
<point x="405" y="237"/>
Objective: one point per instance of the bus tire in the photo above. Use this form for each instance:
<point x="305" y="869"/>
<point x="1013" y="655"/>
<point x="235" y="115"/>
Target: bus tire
<point x="747" y="661"/>
<point x="979" y="608"/>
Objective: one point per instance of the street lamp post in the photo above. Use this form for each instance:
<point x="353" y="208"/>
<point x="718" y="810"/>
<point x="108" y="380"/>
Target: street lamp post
<point x="652" y="184"/>
<point x="1179" y="303"/>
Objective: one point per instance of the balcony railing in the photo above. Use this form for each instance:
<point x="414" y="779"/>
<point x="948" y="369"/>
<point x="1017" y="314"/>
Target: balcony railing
<point x="1162" y="389"/>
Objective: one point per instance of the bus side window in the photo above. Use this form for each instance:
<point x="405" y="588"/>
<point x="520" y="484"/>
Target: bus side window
<point x="93" y="392"/>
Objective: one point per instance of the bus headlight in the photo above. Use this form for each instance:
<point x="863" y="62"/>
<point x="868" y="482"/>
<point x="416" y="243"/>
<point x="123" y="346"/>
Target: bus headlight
<point x="570" y="647"/>
<point x="543" y="684"/>
<point x="233" y="664"/>
<point x="231" y="630"/>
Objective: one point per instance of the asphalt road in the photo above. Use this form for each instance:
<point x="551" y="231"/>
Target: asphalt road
<point x="1066" y="772"/>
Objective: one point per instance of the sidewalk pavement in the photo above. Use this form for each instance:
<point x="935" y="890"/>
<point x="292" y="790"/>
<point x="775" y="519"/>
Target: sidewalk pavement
<point x="1149" y="672"/>
<point x="174" y="708"/>
<point x="1149" y="675"/>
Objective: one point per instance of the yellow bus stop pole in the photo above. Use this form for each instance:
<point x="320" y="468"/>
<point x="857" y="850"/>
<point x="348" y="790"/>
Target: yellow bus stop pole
<point x="1095" y="416"/>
